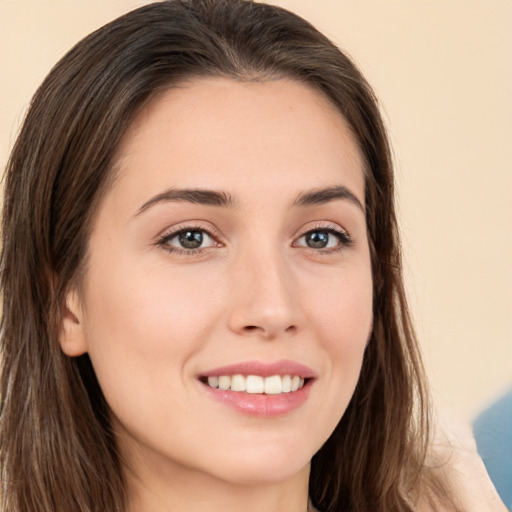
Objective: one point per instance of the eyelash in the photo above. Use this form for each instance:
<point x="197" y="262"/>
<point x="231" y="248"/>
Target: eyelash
<point x="164" y="240"/>
<point x="344" y="239"/>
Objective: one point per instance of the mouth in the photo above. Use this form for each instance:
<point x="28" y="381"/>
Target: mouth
<point x="260" y="389"/>
<point x="256" y="384"/>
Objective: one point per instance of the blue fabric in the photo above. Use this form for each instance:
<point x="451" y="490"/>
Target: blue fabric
<point x="493" y="434"/>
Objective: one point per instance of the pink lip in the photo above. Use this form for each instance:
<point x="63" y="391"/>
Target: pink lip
<point x="283" y="367"/>
<point x="264" y="406"/>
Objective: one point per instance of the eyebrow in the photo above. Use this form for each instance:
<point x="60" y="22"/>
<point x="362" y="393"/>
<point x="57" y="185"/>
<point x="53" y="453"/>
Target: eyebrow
<point x="192" y="195"/>
<point x="325" y="195"/>
<point x="224" y="199"/>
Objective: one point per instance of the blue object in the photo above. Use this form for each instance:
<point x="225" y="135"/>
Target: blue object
<point x="493" y="434"/>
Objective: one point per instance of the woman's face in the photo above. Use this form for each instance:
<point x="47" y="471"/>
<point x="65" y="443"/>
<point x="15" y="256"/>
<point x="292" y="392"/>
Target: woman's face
<point x="230" y="251"/>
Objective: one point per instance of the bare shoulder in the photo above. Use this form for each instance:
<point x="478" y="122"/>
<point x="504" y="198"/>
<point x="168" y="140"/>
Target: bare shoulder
<point x="453" y="453"/>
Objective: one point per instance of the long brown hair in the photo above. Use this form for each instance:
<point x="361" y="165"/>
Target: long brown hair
<point x="57" y="449"/>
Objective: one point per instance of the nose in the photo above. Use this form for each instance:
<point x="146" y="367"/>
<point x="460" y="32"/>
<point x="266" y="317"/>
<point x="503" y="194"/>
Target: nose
<point x="264" y="298"/>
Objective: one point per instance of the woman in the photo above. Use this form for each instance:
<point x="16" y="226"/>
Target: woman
<point x="203" y="305"/>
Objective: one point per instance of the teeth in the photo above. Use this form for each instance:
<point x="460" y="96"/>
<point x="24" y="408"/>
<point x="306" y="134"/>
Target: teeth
<point x="286" y="384"/>
<point x="255" y="384"/>
<point x="273" y="385"/>
<point x="224" y="382"/>
<point x="238" y="383"/>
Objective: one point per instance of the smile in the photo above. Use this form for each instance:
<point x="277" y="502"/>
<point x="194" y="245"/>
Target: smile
<point x="260" y="389"/>
<point x="257" y="384"/>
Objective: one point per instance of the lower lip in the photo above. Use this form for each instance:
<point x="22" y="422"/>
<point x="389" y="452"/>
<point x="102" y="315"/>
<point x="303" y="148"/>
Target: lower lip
<point x="266" y="406"/>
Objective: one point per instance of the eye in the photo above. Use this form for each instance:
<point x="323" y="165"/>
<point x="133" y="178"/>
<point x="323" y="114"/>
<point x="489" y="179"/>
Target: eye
<point x="187" y="240"/>
<point x="191" y="239"/>
<point x="324" y="238"/>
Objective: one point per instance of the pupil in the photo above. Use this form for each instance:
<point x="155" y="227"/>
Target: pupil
<point x="317" y="239"/>
<point x="191" y="239"/>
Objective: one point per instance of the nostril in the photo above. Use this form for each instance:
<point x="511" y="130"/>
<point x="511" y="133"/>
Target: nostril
<point x="291" y="329"/>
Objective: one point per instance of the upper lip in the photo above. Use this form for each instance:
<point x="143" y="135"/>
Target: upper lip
<point x="283" y="367"/>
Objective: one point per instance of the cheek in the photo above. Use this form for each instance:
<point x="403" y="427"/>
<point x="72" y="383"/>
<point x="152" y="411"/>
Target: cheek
<point x="146" y="305"/>
<point x="342" y="315"/>
<point x="144" y="326"/>
<point x="343" y="308"/>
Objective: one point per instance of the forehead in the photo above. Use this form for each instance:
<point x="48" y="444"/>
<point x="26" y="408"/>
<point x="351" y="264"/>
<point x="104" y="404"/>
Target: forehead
<point x="203" y="131"/>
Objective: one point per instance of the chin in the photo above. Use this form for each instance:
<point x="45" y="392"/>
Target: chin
<point x="267" y="474"/>
<point x="262" y="467"/>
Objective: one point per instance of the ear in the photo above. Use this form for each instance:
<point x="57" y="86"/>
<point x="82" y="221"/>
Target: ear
<point x="72" y="334"/>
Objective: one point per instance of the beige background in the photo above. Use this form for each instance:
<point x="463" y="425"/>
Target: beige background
<point x="443" y="71"/>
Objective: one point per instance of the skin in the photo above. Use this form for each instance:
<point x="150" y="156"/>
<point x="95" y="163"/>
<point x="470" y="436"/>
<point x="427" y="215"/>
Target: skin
<point x="454" y="452"/>
<point x="154" y="316"/>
